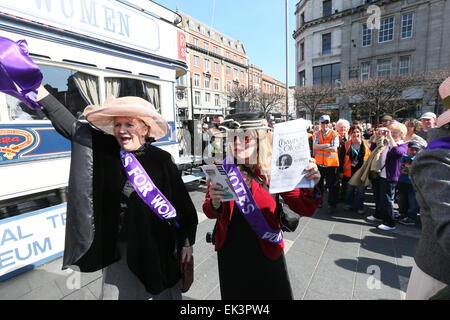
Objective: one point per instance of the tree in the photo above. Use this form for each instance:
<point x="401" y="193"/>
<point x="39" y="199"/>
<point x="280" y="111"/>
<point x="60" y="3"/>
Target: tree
<point x="243" y="93"/>
<point x="267" y="102"/>
<point x="382" y="94"/>
<point x="434" y="80"/>
<point x="312" y="97"/>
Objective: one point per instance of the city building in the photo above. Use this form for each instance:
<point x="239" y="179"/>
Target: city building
<point x="276" y="92"/>
<point x="337" y="40"/>
<point x="216" y="64"/>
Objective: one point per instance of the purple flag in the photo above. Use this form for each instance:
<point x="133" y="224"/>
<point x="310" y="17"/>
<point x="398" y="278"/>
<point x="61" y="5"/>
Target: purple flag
<point x="20" y="77"/>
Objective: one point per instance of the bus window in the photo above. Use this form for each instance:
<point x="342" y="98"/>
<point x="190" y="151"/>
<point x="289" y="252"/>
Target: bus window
<point x="74" y="89"/>
<point x="18" y="111"/>
<point x="122" y="87"/>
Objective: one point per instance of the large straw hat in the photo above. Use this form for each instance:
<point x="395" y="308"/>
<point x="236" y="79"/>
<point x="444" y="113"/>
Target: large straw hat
<point x="444" y="92"/>
<point x="103" y="116"/>
<point x="443" y="119"/>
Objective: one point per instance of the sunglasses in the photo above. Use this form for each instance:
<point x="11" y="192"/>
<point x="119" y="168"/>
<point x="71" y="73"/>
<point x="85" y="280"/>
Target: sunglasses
<point x="325" y="122"/>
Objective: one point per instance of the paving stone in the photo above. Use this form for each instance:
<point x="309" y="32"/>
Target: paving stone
<point x="95" y="287"/>
<point x="310" y="247"/>
<point x="82" y="294"/>
<point x="301" y="267"/>
<point x="206" y="278"/>
<point x="48" y="291"/>
<point x="15" y="287"/>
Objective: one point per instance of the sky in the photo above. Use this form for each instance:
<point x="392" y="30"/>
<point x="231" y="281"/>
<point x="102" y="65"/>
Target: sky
<point x="258" y="24"/>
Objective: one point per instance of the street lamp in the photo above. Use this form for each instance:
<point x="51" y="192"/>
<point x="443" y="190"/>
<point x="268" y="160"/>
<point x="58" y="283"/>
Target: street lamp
<point x="287" y="59"/>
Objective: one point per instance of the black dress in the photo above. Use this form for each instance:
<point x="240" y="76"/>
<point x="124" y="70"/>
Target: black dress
<point x="245" y="273"/>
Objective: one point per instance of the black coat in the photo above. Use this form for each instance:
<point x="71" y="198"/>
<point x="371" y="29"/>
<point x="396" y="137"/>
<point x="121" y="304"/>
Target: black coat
<point x="94" y="204"/>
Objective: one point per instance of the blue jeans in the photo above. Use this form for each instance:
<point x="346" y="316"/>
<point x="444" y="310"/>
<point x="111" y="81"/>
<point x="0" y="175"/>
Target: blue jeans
<point x="407" y="202"/>
<point x="354" y="197"/>
<point x="384" y="193"/>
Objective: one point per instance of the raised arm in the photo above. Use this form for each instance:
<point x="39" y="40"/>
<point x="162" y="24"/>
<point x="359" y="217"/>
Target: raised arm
<point x="61" y="118"/>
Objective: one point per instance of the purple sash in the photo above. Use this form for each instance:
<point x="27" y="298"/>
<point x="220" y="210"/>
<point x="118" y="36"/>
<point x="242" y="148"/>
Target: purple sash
<point x="248" y="207"/>
<point x="20" y="77"/>
<point x="441" y="143"/>
<point x="146" y="189"/>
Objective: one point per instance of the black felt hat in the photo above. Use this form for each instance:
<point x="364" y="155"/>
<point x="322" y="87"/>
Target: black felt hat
<point x="245" y="121"/>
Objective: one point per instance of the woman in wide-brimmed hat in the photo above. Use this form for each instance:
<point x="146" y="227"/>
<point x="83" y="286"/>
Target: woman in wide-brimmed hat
<point x="112" y="222"/>
<point x="247" y="236"/>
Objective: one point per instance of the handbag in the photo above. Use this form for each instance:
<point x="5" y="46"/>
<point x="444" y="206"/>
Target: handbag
<point x="187" y="275"/>
<point x="289" y="220"/>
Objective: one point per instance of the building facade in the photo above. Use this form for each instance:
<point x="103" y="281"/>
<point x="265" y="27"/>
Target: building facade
<point x="275" y="88"/>
<point x="216" y="64"/>
<point x="337" y="40"/>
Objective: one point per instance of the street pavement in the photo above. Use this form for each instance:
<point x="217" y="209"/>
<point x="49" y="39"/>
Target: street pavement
<point x="338" y="257"/>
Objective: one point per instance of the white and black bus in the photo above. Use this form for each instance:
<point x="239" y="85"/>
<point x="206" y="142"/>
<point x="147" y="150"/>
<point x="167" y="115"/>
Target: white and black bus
<point x="87" y="50"/>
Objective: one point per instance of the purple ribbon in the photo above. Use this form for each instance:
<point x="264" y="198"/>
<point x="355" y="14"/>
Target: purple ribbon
<point x="20" y="77"/>
<point x="441" y="143"/>
<point x="248" y="207"/>
<point x="147" y="190"/>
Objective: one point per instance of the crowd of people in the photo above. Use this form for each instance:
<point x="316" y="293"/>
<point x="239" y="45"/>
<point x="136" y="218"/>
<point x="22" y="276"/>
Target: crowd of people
<point x="352" y="157"/>
<point x="129" y="213"/>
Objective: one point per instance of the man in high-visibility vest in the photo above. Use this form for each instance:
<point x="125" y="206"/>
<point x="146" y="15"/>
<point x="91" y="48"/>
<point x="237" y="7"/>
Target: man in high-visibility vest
<point x="326" y="143"/>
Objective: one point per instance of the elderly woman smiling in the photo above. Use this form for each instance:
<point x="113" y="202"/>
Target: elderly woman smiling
<point x="112" y="222"/>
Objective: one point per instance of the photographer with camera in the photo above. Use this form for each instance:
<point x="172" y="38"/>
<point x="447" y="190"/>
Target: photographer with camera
<point x="384" y="181"/>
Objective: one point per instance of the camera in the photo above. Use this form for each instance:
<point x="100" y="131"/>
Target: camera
<point x="209" y="237"/>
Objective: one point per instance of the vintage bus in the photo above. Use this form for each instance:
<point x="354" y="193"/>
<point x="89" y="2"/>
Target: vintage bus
<point x="87" y="50"/>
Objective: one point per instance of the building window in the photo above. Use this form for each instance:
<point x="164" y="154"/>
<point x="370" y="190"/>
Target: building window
<point x="235" y="73"/>
<point x="207" y="97"/>
<point x="384" y="67"/>
<point x="326" y="43"/>
<point x="216" y="67"/>
<point x="215" y="50"/>
<point x="235" y="58"/>
<point x="196" y="80"/>
<point x="326" y="74"/>
<point x="216" y="84"/>
<point x="386" y="32"/>
<point x="301" y="78"/>
<point x="206" y="46"/>
<point x="302" y="51"/>
<point x="195" y="41"/>
<point x="366" y="36"/>
<point x="207" y="82"/>
<point x="228" y="86"/>
<point x="302" y="19"/>
<point x="365" y="70"/>
<point x="327" y="8"/>
<point x="206" y="65"/>
<point x="407" y="25"/>
<point x="216" y="100"/>
<point x="228" y="71"/>
<point x="404" y="65"/>
<point x="242" y="75"/>
<point x="196" y="61"/>
<point x="196" y="98"/>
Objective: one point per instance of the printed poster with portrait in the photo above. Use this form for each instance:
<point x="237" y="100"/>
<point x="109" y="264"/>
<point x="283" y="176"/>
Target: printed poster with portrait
<point x="290" y="157"/>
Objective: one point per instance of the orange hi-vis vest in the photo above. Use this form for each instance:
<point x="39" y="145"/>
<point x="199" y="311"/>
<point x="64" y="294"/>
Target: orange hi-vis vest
<point x="327" y="158"/>
<point x="347" y="162"/>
